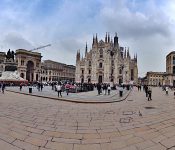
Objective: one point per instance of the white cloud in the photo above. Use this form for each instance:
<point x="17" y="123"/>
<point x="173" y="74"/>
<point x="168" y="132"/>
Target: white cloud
<point x="147" y="27"/>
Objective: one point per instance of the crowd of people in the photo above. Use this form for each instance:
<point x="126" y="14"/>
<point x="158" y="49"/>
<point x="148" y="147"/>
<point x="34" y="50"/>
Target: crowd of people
<point x="68" y="87"/>
<point x="102" y="88"/>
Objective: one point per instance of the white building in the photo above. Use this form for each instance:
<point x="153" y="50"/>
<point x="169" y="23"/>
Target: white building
<point x="106" y="62"/>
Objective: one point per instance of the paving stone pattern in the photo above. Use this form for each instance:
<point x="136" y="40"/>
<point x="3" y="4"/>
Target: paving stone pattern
<point x="35" y="123"/>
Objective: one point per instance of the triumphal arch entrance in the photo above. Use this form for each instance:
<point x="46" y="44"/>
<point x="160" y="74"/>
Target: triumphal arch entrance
<point x="29" y="64"/>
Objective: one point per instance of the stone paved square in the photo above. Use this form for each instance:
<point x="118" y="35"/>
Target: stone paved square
<point x="39" y="123"/>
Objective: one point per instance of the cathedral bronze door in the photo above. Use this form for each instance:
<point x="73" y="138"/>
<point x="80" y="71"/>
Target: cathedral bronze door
<point x="100" y="79"/>
<point x="30" y="71"/>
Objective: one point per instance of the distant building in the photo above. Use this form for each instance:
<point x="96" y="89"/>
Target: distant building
<point x="155" y="78"/>
<point x="56" y="71"/>
<point x="106" y="62"/>
<point x="31" y="68"/>
<point x="164" y="78"/>
<point x="29" y="64"/>
<point x="2" y="60"/>
<point x="170" y="69"/>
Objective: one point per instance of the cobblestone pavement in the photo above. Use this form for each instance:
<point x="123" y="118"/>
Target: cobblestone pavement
<point x="85" y="97"/>
<point x="34" y="123"/>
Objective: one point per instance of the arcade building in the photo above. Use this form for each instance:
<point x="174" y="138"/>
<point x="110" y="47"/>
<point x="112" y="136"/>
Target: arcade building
<point x="30" y="66"/>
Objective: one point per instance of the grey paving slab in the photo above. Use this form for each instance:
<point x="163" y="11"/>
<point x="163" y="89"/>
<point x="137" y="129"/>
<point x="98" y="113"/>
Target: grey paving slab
<point x="36" y="123"/>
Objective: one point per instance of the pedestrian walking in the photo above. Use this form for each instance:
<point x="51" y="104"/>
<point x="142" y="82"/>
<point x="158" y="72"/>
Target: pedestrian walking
<point x="105" y="89"/>
<point x="20" y="87"/>
<point x="41" y="86"/>
<point x="146" y="90"/>
<point x="59" y="90"/>
<point x="99" y="88"/>
<point x="166" y="89"/>
<point x="149" y="94"/>
<point x="67" y="87"/>
<point x="3" y="87"/>
<point x="109" y="89"/>
<point x="38" y="86"/>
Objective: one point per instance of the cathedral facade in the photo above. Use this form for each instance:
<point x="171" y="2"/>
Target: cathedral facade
<point x="106" y="62"/>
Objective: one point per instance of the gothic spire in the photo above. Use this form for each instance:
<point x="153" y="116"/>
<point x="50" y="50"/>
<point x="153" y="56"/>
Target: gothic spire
<point x="116" y="40"/>
<point x="96" y="39"/>
<point x="125" y="53"/>
<point x="86" y="50"/>
<point x="106" y="38"/>
<point x="93" y="40"/>
<point x="128" y="55"/>
<point x="78" y="55"/>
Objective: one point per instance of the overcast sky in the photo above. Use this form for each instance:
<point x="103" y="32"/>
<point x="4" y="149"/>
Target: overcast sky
<point x="147" y="27"/>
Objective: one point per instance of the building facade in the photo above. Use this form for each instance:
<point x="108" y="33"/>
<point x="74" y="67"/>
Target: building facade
<point x="2" y="60"/>
<point x="155" y="78"/>
<point x="169" y="78"/>
<point x="56" y="71"/>
<point x="28" y="64"/>
<point x="106" y="62"/>
<point x="30" y="67"/>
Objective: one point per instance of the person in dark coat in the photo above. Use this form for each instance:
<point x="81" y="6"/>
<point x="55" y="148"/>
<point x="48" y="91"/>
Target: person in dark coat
<point x="146" y="90"/>
<point x="3" y="87"/>
<point x="99" y="88"/>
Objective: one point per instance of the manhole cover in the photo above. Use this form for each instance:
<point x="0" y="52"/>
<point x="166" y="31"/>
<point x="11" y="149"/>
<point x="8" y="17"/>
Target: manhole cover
<point x="150" y="107"/>
<point x="125" y="120"/>
<point x="128" y="113"/>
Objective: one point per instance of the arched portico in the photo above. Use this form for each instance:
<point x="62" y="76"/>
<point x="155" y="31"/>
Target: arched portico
<point x="30" y="71"/>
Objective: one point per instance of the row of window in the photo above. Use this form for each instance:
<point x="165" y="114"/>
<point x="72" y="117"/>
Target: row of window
<point x="112" y="71"/>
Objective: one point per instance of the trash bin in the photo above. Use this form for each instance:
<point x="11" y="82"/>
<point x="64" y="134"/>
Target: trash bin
<point x="121" y="93"/>
<point x="30" y="90"/>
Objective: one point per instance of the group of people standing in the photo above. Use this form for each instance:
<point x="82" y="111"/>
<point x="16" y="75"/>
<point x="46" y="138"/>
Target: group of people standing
<point x="105" y="87"/>
<point x="59" y="88"/>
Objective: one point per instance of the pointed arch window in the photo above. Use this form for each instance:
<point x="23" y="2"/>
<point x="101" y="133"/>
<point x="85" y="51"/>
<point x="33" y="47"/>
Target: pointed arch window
<point x="101" y="53"/>
<point x="120" y="71"/>
<point x="112" y="62"/>
<point x="89" y="63"/>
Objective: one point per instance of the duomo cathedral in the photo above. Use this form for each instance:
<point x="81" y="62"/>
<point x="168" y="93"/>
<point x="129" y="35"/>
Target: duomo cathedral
<point x="106" y="62"/>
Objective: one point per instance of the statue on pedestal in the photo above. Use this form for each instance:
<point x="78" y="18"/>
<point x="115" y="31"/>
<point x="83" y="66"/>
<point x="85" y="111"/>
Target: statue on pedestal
<point x="9" y="63"/>
<point x="10" y="55"/>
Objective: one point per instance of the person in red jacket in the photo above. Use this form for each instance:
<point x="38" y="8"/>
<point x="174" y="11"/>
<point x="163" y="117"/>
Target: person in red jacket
<point x="67" y="87"/>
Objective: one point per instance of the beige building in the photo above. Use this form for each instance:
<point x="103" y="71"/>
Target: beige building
<point x="170" y="69"/>
<point x="106" y="62"/>
<point x="28" y="64"/>
<point x="56" y="71"/>
<point x="2" y="60"/>
<point x="164" y="78"/>
<point x="30" y="67"/>
<point x="155" y="78"/>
